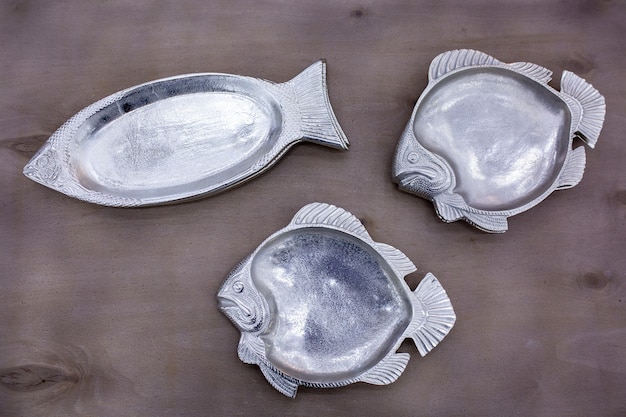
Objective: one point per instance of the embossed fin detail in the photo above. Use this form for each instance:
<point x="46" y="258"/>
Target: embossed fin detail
<point x="452" y="207"/>
<point x="251" y="349"/>
<point x="460" y="58"/>
<point x="388" y="370"/>
<point x="439" y="316"/>
<point x="396" y="258"/>
<point x="573" y="170"/>
<point x="284" y="384"/>
<point x="593" y="106"/>
<point x="487" y="222"/>
<point x="575" y="109"/>
<point x="534" y="71"/>
<point x="318" y="122"/>
<point x="329" y="215"/>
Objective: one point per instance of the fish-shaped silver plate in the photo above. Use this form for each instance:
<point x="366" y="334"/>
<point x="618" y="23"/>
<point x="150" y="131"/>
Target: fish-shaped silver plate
<point x="184" y="137"/>
<point x="320" y="304"/>
<point x="488" y="140"/>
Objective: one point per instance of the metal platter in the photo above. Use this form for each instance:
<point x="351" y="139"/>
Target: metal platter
<point x="488" y="140"/>
<point x="184" y="137"/>
<point x="320" y="304"/>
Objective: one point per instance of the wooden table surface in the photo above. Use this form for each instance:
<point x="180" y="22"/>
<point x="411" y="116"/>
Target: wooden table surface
<point x="114" y="309"/>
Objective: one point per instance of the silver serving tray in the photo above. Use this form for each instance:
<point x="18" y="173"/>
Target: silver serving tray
<point x="488" y="140"/>
<point x="320" y="304"/>
<point x="184" y="137"/>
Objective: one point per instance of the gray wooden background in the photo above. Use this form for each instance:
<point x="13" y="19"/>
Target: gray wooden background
<point x="121" y="302"/>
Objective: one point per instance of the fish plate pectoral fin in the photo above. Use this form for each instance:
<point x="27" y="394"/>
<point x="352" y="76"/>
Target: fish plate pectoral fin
<point x="285" y="385"/>
<point x="388" y="370"/>
<point x="573" y="170"/>
<point x="252" y="352"/>
<point x="452" y="207"/>
<point x="251" y="349"/>
<point x="430" y="325"/>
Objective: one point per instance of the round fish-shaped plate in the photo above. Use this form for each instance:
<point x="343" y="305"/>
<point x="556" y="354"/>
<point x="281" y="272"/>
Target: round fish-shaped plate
<point x="488" y="140"/>
<point x="184" y="137"/>
<point x="320" y="304"/>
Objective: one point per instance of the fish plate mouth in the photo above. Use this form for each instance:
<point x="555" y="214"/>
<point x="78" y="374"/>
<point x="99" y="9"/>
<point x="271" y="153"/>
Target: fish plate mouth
<point x="244" y="317"/>
<point x="225" y="303"/>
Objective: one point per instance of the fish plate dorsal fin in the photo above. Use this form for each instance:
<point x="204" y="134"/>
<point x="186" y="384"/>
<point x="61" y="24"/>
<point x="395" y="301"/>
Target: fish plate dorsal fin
<point x="322" y="214"/>
<point x="591" y="105"/>
<point x="459" y="58"/>
<point x="396" y="259"/>
<point x="534" y="71"/>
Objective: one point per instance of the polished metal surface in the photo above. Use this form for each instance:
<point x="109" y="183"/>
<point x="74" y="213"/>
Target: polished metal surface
<point x="488" y="140"/>
<point x="303" y="274"/>
<point x="319" y="303"/>
<point x="184" y="137"/>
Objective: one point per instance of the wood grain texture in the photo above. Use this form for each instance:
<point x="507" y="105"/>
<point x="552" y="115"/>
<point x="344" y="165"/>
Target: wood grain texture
<point x="115" y="310"/>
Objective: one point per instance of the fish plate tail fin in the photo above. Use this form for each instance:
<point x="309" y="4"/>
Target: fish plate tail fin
<point x="318" y="123"/>
<point x="433" y="315"/>
<point x="591" y="104"/>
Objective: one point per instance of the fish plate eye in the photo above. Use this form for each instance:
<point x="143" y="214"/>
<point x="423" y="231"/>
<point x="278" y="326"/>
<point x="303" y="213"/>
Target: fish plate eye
<point x="238" y="286"/>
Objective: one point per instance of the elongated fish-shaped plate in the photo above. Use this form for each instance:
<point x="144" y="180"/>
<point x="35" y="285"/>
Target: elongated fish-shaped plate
<point x="184" y="137"/>
<point x="488" y="140"/>
<point x="320" y="304"/>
